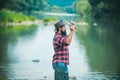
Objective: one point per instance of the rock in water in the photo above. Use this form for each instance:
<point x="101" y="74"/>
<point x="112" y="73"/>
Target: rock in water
<point x="73" y="77"/>
<point x="36" y="60"/>
<point x="45" y="76"/>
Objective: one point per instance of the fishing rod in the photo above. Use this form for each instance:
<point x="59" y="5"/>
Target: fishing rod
<point x="67" y="22"/>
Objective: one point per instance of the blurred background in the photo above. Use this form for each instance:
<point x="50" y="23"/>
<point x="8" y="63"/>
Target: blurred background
<point x="27" y="30"/>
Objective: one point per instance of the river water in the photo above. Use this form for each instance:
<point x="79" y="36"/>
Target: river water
<point x="26" y="54"/>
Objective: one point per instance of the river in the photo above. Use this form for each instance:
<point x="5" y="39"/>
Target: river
<point x="26" y="54"/>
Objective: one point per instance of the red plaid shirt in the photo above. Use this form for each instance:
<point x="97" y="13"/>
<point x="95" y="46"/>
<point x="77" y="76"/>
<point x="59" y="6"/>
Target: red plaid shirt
<point x="61" y="49"/>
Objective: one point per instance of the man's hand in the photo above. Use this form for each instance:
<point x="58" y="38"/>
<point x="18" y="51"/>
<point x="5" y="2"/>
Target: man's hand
<point x="73" y="28"/>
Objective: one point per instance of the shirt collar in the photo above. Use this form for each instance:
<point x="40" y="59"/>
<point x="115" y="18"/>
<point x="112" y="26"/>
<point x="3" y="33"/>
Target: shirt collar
<point x="57" y="33"/>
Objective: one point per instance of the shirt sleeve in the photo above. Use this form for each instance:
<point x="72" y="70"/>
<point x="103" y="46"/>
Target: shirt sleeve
<point x="61" y="41"/>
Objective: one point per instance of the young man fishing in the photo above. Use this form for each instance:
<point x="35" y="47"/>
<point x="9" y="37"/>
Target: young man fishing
<point x="61" y="41"/>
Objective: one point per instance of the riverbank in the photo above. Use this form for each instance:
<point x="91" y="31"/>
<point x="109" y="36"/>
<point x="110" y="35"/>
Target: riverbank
<point x="8" y="17"/>
<point x="12" y="18"/>
<point x="21" y="23"/>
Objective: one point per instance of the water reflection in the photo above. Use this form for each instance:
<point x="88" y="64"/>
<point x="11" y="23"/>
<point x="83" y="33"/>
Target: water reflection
<point x="94" y="53"/>
<point x="35" y="43"/>
<point x="9" y="36"/>
<point x="102" y="47"/>
<point x="20" y="46"/>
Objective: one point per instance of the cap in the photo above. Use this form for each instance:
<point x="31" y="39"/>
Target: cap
<point x="59" y="24"/>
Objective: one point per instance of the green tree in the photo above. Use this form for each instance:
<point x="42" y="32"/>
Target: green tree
<point x="83" y="8"/>
<point x="99" y="8"/>
<point x="24" y="5"/>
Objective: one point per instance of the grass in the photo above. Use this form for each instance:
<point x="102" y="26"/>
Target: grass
<point x="1" y="78"/>
<point x="11" y="16"/>
<point x="49" y="19"/>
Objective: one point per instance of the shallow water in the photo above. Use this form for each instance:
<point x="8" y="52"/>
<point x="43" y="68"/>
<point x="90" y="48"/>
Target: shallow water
<point x="27" y="54"/>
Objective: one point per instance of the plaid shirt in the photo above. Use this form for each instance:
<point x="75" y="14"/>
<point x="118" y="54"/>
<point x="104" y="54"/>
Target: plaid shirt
<point x="61" y="49"/>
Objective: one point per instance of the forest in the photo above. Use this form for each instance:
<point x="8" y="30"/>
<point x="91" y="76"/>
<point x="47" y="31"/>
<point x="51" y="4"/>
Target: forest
<point x="99" y="8"/>
<point x="87" y="9"/>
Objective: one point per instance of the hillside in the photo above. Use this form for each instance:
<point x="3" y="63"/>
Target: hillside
<point x="61" y="3"/>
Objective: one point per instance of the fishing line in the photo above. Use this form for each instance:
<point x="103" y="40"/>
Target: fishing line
<point x="68" y="22"/>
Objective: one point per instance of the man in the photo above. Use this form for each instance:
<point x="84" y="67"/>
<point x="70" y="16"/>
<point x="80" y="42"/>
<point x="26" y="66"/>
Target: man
<point x="61" y="41"/>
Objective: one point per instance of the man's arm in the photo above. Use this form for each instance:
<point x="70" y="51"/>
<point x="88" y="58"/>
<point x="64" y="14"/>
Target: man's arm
<point x="70" y="35"/>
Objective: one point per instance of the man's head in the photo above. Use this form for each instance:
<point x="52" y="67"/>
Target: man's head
<point x="60" y="27"/>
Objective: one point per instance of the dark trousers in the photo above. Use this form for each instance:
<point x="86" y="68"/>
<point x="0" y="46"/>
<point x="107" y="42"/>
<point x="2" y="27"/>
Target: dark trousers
<point x="61" y="71"/>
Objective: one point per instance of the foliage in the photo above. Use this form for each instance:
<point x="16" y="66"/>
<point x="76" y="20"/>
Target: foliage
<point x="83" y="8"/>
<point x="11" y="16"/>
<point x="1" y="78"/>
<point x="27" y="6"/>
<point x="24" y="5"/>
<point x="109" y="8"/>
<point x="99" y="8"/>
<point x="48" y="19"/>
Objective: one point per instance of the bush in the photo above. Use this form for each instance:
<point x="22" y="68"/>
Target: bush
<point x="49" y="19"/>
<point x="11" y="16"/>
<point x="32" y="18"/>
<point x="1" y="78"/>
